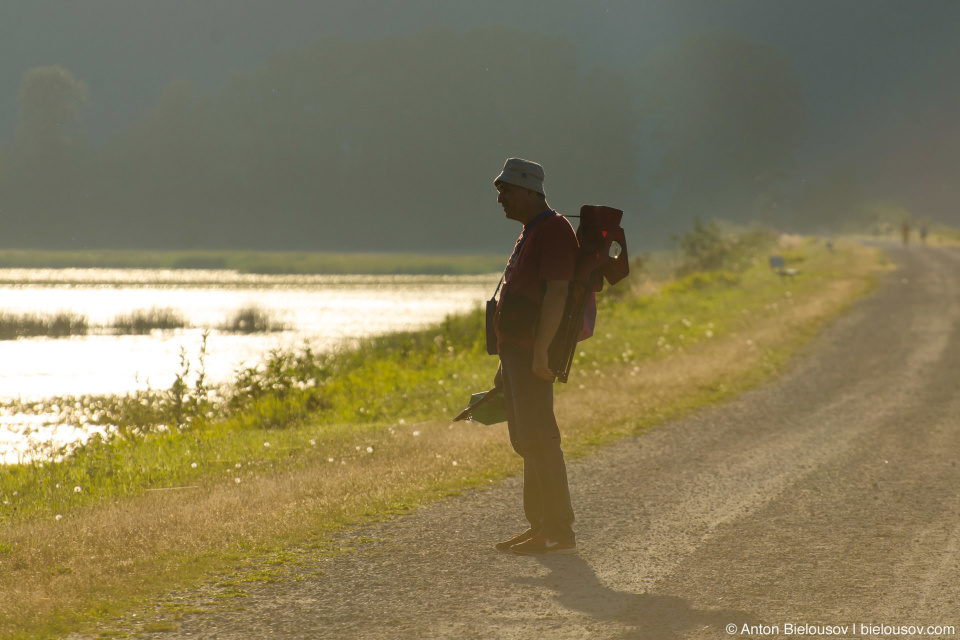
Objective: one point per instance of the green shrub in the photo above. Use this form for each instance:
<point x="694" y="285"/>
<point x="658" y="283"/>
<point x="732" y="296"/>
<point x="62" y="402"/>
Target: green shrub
<point x="705" y="248"/>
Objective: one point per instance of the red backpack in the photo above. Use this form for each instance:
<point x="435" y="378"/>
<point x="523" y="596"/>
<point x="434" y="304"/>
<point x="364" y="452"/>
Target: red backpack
<point x="602" y="255"/>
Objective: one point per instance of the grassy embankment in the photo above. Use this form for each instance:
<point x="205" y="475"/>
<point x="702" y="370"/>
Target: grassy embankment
<point x="255" y="262"/>
<point x="308" y="444"/>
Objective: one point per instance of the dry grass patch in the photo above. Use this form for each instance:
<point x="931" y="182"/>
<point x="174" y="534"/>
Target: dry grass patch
<point x="162" y="535"/>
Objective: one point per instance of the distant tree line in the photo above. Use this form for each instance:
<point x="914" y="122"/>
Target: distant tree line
<point x="392" y="144"/>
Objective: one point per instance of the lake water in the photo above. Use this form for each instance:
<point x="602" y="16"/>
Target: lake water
<point x="325" y="311"/>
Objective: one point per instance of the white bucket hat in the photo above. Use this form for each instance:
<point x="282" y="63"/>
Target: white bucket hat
<point x="522" y="173"/>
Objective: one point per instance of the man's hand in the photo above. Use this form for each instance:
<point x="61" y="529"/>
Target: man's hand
<point x="541" y="368"/>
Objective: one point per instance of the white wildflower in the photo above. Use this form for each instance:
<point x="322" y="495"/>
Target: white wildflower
<point x="77" y="489"/>
<point x="193" y="465"/>
<point x="59" y="517"/>
<point x="266" y="445"/>
<point x="237" y="480"/>
<point x="329" y="459"/>
<point x="369" y="449"/>
<point x="416" y="433"/>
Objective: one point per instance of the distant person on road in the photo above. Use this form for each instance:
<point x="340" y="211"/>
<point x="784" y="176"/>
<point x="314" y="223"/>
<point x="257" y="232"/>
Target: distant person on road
<point x="924" y="227"/>
<point x="528" y="315"/>
<point x="905" y="232"/>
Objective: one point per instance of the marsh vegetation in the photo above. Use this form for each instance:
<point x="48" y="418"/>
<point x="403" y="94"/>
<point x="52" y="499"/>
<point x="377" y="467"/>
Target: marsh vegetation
<point x="251" y="319"/>
<point x="60" y="325"/>
<point x="144" y="321"/>
<point x="247" y="320"/>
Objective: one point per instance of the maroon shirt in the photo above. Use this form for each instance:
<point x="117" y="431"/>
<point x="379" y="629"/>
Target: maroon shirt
<point x="548" y="253"/>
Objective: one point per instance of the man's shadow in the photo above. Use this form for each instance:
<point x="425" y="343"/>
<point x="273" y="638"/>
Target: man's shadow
<point x="658" y="617"/>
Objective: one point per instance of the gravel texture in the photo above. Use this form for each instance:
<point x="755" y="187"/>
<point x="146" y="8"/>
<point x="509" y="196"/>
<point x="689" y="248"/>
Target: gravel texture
<point x="830" y="497"/>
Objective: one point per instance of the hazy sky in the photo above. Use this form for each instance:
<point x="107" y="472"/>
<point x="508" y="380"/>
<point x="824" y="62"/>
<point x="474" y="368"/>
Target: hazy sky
<point x="877" y="74"/>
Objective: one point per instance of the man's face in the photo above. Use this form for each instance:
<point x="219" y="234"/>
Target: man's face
<point x="516" y="201"/>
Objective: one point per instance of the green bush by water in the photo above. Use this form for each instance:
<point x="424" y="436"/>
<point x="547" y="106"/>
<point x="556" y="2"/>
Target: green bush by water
<point x="251" y="320"/>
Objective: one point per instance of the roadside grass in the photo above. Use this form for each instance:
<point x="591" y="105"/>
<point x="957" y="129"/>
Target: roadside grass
<point x="260" y="262"/>
<point x="941" y="235"/>
<point x="309" y="444"/>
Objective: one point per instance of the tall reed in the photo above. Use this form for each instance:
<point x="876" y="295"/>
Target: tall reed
<point x="144" y="321"/>
<point x="59" y="325"/>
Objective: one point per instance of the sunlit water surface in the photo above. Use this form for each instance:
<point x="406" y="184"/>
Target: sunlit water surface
<point x="324" y="311"/>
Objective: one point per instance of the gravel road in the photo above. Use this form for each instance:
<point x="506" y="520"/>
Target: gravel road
<point x="830" y="497"/>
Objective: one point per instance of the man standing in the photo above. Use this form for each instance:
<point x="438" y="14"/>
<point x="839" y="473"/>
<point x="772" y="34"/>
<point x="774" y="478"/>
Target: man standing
<point x="528" y="315"/>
